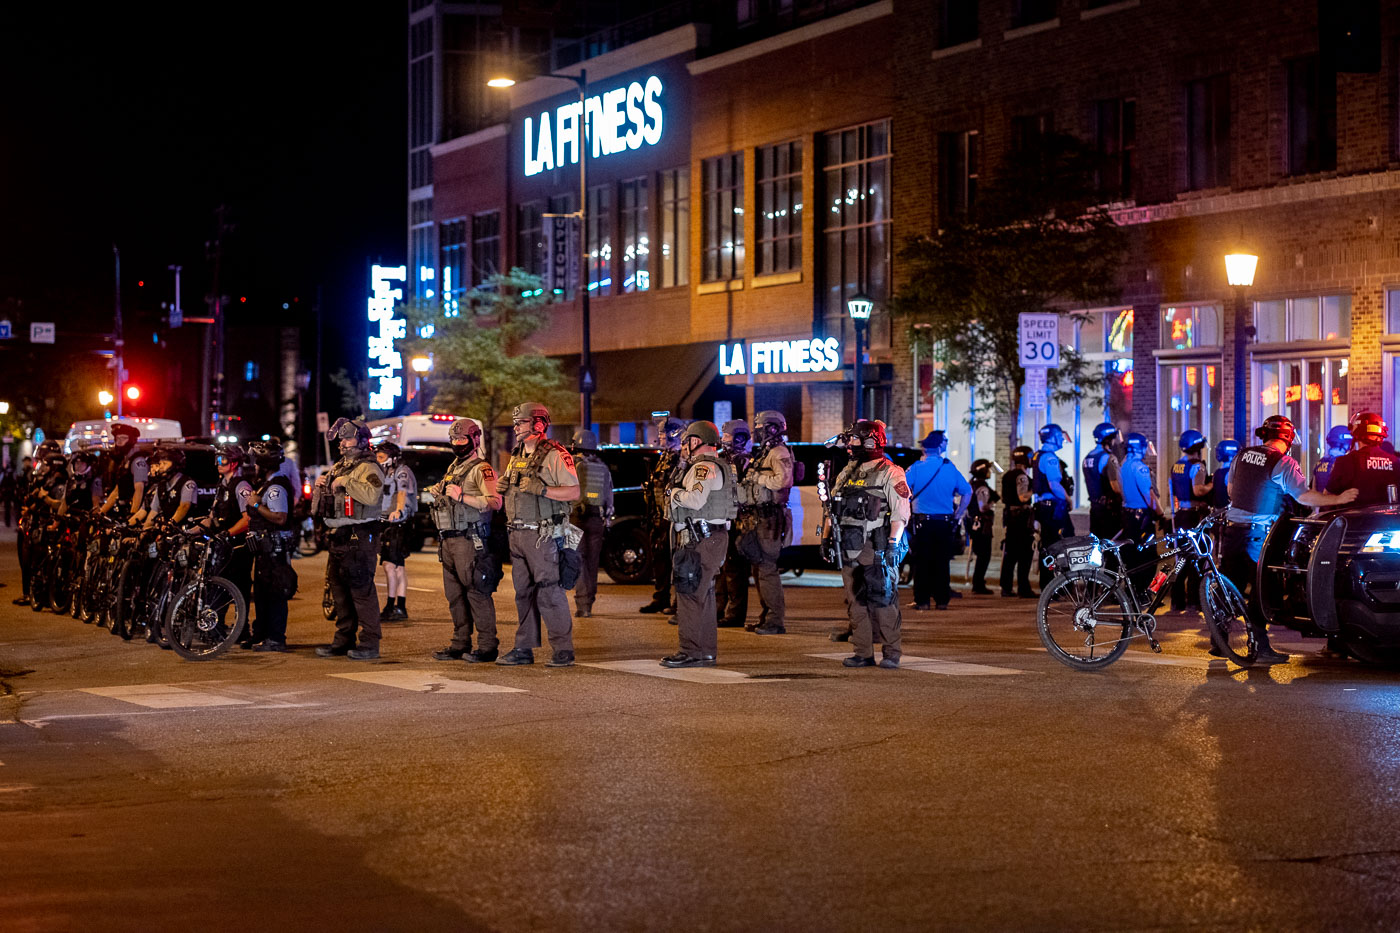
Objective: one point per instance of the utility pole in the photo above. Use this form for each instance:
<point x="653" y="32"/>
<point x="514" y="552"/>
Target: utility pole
<point x="315" y="420"/>
<point x="117" y="336"/>
<point x="214" y="333"/>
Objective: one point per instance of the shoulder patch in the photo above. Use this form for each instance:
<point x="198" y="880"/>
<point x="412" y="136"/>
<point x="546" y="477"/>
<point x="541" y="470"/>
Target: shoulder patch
<point x="702" y="472"/>
<point x="567" y="457"/>
<point x="487" y="472"/>
<point x="902" y="488"/>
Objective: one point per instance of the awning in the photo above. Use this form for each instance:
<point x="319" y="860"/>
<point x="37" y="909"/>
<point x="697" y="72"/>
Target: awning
<point x="634" y="383"/>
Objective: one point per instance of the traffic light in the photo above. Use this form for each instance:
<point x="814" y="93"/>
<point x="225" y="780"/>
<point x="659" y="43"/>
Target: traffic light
<point x="132" y="393"/>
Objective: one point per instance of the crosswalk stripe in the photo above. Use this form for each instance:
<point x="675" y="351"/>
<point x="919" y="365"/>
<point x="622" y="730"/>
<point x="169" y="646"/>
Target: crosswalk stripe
<point x="1171" y="660"/>
<point x="163" y="696"/>
<point x="426" y="682"/>
<point x="649" y="667"/>
<point x="934" y="665"/>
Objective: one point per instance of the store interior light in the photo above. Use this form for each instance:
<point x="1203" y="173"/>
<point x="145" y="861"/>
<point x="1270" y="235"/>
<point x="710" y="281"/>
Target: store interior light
<point x="1239" y="269"/>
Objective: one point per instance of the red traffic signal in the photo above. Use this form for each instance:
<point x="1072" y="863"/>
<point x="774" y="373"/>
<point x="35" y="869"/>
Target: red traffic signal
<point x="132" y="393"/>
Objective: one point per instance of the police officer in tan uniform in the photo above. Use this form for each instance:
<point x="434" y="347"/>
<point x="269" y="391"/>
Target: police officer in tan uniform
<point x="349" y="497"/>
<point x="765" y="519"/>
<point x="593" y="513"/>
<point x="870" y="508"/>
<point x="702" y="508"/>
<point x="732" y="584"/>
<point x="540" y="485"/>
<point x="463" y="503"/>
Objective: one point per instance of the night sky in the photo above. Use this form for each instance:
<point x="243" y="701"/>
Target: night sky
<point x="127" y="126"/>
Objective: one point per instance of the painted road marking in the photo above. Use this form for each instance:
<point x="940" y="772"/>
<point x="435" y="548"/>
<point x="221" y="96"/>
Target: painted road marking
<point x="934" y="665"/>
<point x="416" y="589"/>
<point x="40" y="722"/>
<point x="163" y="696"/>
<point x="426" y="682"/>
<point x="649" y="667"/>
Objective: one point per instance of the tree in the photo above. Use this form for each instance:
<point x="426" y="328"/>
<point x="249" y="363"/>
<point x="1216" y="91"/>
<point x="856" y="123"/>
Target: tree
<point x="1040" y="241"/>
<point x="483" y="365"/>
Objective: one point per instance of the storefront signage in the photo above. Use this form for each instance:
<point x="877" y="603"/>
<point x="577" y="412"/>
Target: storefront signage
<point x="621" y="119"/>
<point x="386" y="363"/>
<point x="805" y="355"/>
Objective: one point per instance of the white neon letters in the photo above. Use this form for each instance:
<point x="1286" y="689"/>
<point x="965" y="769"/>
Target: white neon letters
<point x="381" y="345"/>
<point x="808" y="355"/>
<point x="618" y="120"/>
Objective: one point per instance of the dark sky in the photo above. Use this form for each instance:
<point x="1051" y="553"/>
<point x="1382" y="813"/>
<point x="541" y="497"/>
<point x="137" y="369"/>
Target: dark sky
<point x="130" y="123"/>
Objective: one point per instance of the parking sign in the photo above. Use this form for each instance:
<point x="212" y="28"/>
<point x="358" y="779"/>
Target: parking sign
<point x="40" y="332"/>
<point x="1040" y="340"/>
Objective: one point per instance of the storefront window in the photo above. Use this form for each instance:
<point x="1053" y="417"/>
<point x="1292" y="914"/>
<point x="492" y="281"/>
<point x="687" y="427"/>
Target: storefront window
<point x="778" y="226"/>
<point x="636" y="259"/>
<point x="529" y="237"/>
<point x="675" y="227"/>
<point x="723" y="191"/>
<point x="1190" y="327"/>
<point x="1284" y="320"/>
<point x="1311" y="392"/>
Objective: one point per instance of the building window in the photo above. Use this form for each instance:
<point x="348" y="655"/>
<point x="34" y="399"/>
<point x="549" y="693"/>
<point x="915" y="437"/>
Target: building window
<point x="1208" y="133"/>
<point x="529" y="237"/>
<point x="1028" y="132"/>
<point x="722" y="187"/>
<point x="1030" y="12"/>
<point x="486" y="246"/>
<point x="855" y="226"/>
<point x="958" y="23"/>
<point x="1326" y="317"/>
<point x="452" y="240"/>
<point x="1311" y="392"/>
<point x="1312" y="116"/>
<point x="1116" y="141"/>
<point x="1190" y="327"/>
<point x="778" y="224"/>
<point x="1392" y="311"/>
<point x="600" y="220"/>
<point x="423" y="252"/>
<point x="675" y="227"/>
<point x="634" y="209"/>
<point x="957" y="174"/>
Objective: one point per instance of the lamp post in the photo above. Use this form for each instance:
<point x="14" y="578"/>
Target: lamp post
<point x="587" y="381"/>
<point x="421" y="366"/>
<point x="859" y="306"/>
<point x="1239" y="272"/>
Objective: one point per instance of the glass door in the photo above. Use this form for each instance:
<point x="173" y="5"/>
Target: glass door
<point x="1189" y="397"/>
<point x="1311" y="392"/>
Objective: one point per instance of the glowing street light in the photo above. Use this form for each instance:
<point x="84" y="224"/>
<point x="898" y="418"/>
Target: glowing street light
<point x="1239" y="272"/>
<point x="421" y="364"/>
<point x="105" y="398"/>
<point x="4" y="408"/>
<point x="859" y="306"/>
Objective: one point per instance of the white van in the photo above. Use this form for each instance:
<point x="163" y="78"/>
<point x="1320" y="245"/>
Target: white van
<point x="409" y="430"/>
<point x="98" y="433"/>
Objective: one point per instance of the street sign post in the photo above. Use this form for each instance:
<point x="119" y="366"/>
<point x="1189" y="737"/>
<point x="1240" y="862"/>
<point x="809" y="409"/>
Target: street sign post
<point x="1040" y="340"/>
<point x="41" y="332"/>
<point x="1037" y="398"/>
<point x="5" y="332"/>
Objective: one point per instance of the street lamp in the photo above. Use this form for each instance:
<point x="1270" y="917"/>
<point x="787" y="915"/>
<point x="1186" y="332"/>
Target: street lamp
<point x="105" y="398"/>
<point x="859" y="306"/>
<point x="1239" y="272"/>
<point x="421" y="364"/>
<point x="4" y="408"/>
<point x="587" y="381"/>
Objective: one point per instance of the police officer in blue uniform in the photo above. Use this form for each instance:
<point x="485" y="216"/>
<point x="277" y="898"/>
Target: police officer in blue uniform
<point x="1370" y="468"/>
<point x="1051" y="495"/>
<point x="1339" y="441"/>
<point x="1190" y="489"/>
<point x="1260" y="478"/>
<point x="935" y="484"/>
<point x="1225" y="452"/>
<point x="1140" y="502"/>
<point x="1103" y="483"/>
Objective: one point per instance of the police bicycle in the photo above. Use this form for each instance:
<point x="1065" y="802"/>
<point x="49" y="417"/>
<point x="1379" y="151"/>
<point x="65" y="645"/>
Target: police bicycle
<point x="206" y="613"/>
<point x="1097" y="602"/>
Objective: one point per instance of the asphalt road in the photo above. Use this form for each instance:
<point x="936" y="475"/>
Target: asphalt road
<point x="988" y="788"/>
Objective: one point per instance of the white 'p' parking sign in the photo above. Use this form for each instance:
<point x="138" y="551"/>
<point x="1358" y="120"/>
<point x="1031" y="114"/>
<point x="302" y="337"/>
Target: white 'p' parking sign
<point x="1040" y="340"/>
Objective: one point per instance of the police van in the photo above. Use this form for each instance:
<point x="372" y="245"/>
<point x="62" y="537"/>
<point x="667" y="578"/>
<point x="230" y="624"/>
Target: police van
<point x="98" y="432"/>
<point x="414" y="430"/>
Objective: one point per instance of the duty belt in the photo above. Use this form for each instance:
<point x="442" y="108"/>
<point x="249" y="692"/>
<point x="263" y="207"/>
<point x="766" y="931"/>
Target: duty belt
<point x="942" y="517"/>
<point x="703" y="528"/>
<point x="444" y="535"/>
<point x="523" y="526"/>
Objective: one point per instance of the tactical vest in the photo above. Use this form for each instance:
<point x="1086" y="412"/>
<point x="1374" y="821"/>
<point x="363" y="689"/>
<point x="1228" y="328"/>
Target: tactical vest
<point x="526" y="507"/>
<point x="1182" y="487"/>
<point x="974" y="508"/>
<point x="77" y="495"/>
<point x="859" y="496"/>
<point x="1374" y="469"/>
<point x="1255" y="490"/>
<point x="762" y="495"/>
<point x="721" y="504"/>
<point x="256" y="522"/>
<point x="1322" y="473"/>
<point x="1040" y="483"/>
<point x="168" y="495"/>
<point x="1220" y="492"/>
<point x="1009" y="495"/>
<point x="659" y="483"/>
<point x="226" y="510"/>
<point x="348" y="509"/>
<point x="451" y="515"/>
<point x="391" y="492"/>
<point x="593" y="478"/>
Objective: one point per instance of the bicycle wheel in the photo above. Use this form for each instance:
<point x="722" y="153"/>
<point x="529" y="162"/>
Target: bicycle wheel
<point x="1227" y="620"/>
<point x="308" y="542"/>
<point x="41" y="583"/>
<point x="61" y="593"/>
<point x="1083" y="620"/>
<point x="199" y="626"/>
<point x="130" y="589"/>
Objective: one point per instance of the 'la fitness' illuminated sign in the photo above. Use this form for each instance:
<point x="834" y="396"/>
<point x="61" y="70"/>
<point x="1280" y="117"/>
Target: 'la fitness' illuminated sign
<point x="621" y="119"/>
<point x="811" y="355"/>
<point x="381" y="344"/>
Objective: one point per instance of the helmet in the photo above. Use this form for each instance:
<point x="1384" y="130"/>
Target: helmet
<point x="171" y="455"/>
<point x="981" y="469"/>
<point x="50" y="448"/>
<point x="1106" y="432"/>
<point x="870" y="434"/>
<point x="267" y="455"/>
<point x="86" y="457"/>
<point x="1051" y="434"/>
<point x="1341" y="436"/>
<point x="1136" y="443"/>
<point x="391" y="449"/>
<point x="736" y="435"/>
<point x="705" y="430"/>
<point x="232" y="452"/>
<point x="1192" y="440"/>
<point x="1368" y="427"/>
<point x="127" y="432"/>
<point x="936" y="440"/>
<point x="770" y="426"/>
<point x="585" y="439"/>
<point x="530" y="411"/>
<point x="346" y="429"/>
<point x="672" y="426"/>
<point x="1225" y="451"/>
<point x="464" y="433"/>
<point x="1276" y="428"/>
<point x="1021" y="455"/>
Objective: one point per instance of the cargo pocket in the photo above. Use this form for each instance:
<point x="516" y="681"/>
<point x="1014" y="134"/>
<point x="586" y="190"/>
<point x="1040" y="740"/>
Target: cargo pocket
<point x="686" y="570"/>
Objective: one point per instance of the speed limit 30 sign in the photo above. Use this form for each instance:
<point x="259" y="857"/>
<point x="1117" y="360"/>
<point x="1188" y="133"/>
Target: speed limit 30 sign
<point x="1040" y="340"/>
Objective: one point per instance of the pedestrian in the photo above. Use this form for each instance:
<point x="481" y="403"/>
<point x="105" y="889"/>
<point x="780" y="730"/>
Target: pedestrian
<point x="1339" y="441"/>
<point x="270" y="538"/>
<point x="400" y="509"/>
<point x="665" y="474"/>
<point x="703" y="507"/>
<point x="1191" y="494"/>
<point x="464" y="503"/>
<point x="979" y="523"/>
<point x="1051" y="495"/>
<point x="1371" y="469"/>
<point x="871" y="506"/>
<point x="732" y="584"/>
<point x="1260" y="478"/>
<point x="349" y="497"/>
<point x="594" y="514"/>
<point x="1018" y="524"/>
<point x="766" y="519"/>
<point x="941" y="496"/>
<point x="1104" y="484"/>
<point x="540" y="485"/>
<point x="1225" y="452"/>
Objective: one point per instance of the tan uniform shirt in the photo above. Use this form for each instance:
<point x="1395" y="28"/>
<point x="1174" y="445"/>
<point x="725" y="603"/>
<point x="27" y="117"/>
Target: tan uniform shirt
<point x="700" y="480"/>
